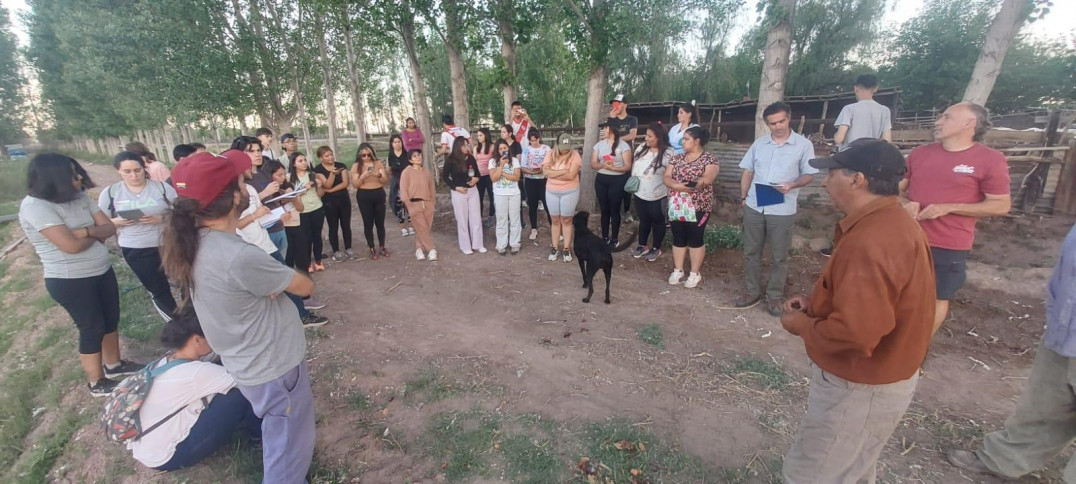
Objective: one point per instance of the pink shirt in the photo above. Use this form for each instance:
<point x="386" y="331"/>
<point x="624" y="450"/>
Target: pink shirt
<point x="412" y="139"/>
<point x="483" y="160"/>
<point x="562" y="185"/>
<point x="158" y="171"/>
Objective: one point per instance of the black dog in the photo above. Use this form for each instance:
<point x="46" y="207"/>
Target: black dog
<point x="593" y="253"/>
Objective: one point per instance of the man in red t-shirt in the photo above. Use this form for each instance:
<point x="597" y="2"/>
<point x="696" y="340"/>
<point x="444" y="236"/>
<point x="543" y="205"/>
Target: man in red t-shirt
<point x="948" y="186"/>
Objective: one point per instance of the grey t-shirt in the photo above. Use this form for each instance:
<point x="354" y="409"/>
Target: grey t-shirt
<point x="36" y="214"/>
<point x="865" y="119"/>
<point x="152" y="200"/>
<point x="603" y="148"/>
<point x="258" y="337"/>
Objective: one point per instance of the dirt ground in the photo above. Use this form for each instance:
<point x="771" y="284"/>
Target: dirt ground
<point x="411" y="342"/>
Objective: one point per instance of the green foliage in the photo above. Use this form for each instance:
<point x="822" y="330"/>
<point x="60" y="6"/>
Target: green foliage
<point x="826" y="33"/>
<point x="723" y="237"/>
<point x="651" y="334"/>
<point x="12" y="103"/>
<point x="1035" y="73"/>
<point x="762" y="373"/>
<point x="620" y="447"/>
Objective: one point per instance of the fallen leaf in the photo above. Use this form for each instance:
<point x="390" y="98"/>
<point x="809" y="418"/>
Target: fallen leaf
<point x="636" y="472"/>
<point x="642" y="447"/>
<point x="625" y="445"/>
<point x="497" y="445"/>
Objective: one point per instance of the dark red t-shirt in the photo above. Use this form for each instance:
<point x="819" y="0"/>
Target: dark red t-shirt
<point x="939" y="176"/>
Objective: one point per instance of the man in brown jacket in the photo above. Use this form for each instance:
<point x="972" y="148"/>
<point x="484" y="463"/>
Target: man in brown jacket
<point x="868" y="323"/>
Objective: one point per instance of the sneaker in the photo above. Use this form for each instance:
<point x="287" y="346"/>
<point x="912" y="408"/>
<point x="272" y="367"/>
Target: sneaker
<point x="410" y="231"/>
<point x="350" y="254"/>
<point x="638" y="251"/>
<point x="567" y="255"/>
<point x="468" y="252"/>
<point x="502" y="251"/>
<point x="385" y="252"/>
<point x="828" y="251"/>
<point x="533" y="235"/>
<point x="122" y="369"/>
<point x="969" y="461"/>
<point x="553" y="254"/>
<point x="102" y="388"/>
<point x="774" y="308"/>
<point x="745" y="301"/>
<point x="312" y="304"/>
<point x="313" y="321"/>
<point x="515" y="250"/>
<point x="338" y="256"/>
<point x="482" y="250"/>
<point x="404" y="233"/>
<point x="613" y="243"/>
<point x="318" y="266"/>
<point x="693" y="280"/>
<point x="419" y="255"/>
<point x="675" y="277"/>
<point x="433" y="255"/>
<point x="652" y="254"/>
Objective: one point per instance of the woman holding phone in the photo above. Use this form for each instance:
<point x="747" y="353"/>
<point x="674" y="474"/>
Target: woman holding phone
<point x="649" y="167"/>
<point x="690" y="177"/>
<point x="135" y="205"/>
<point x="312" y="215"/>
<point x="369" y="176"/>
<point x="337" y="204"/>
<point x="612" y="158"/>
<point x="504" y="171"/>
<point x="461" y="176"/>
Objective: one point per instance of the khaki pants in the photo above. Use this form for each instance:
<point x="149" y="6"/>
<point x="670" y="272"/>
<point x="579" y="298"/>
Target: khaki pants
<point x="422" y="220"/>
<point x="845" y="429"/>
<point x="1044" y="422"/>
<point x="776" y="231"/>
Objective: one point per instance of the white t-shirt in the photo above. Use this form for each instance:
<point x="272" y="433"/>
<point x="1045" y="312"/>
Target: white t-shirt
<point x="651" y="184"/>
<point x="504" y="186"/>
<point x="182" y="386"/>
<point x="676" y="137"/>
<point x="602" y="148"/>
<point x="449" y="135"/>
<point x="254" y="233"/>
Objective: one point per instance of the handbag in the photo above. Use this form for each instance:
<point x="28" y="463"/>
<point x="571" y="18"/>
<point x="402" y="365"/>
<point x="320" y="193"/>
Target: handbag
<point x="632" y="185"/>
<point x="681" y="207"/>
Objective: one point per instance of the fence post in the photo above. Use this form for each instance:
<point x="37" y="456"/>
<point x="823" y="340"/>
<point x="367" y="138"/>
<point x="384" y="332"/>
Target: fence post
<point x="1065" y="199"/>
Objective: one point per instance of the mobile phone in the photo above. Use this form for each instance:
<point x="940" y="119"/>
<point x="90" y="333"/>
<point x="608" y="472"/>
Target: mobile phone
<point x="370" y="169"/>
<point x="607" y="157"/>
<point x="691" y="184"/>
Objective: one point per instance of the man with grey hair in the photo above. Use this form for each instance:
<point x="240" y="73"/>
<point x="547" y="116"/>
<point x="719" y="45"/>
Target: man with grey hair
<point x="949" y="185"/>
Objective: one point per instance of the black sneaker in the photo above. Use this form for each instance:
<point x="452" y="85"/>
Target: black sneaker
<point x="775" y="308"/>
<point x="828" y="251"/>
<point x="124" y="369"/>
<point x="744" y="302"/>
<point x="314" y="321"/>
<point x="613" y="243"/>
<point x="102" y="388"/>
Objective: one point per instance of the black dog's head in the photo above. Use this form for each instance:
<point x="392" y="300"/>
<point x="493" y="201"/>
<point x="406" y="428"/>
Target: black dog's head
<point x="579" y="221"/>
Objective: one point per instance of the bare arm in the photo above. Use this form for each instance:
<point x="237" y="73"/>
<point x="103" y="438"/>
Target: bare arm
<point x="992" y="205"/>
<point x="887" y="135"/>
<point x="69" y="241"/>
<point x="594" y="163"/>
<point x="842" y="133"/>
<point x="300" y="285"/>
<point x="746" y="178"/>
<point x="708" y="176"/>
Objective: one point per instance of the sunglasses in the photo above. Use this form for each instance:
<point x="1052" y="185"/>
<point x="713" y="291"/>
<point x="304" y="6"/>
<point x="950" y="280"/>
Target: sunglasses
<point x="365" y="155"/>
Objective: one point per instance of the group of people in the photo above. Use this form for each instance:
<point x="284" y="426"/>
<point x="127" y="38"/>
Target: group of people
<point x="240" y="233"/>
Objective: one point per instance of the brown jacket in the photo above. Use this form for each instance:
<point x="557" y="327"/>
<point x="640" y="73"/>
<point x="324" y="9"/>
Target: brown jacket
<point x="872" y="312"/>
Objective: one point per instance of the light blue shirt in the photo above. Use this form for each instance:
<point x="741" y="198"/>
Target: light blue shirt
<point x="1060" y="335"/>
<point x="778" y="163"/>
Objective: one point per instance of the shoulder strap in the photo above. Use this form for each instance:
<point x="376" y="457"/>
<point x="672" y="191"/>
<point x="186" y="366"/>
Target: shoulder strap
<point x="111" y="202"/>
<point x="205" y="403"/>
<point x="168" y="366"/>
<point x="164" y="193"/>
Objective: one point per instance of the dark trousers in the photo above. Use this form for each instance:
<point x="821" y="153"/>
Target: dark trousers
<point x="338" y="216"/>
<point x="610" y="192"/>
<point x="93" y="303"/>
<point x="311" y="223"/>
<point x="397" y="205"/>
<point x="485" y="187"/>
<point x="146" y="265"/>
<point x="225" y="415"/>
<point x="298" y="254"/>
<point x="535" y="192"/>
<point x="371" y="204"/>
<point x="651" y="219"/>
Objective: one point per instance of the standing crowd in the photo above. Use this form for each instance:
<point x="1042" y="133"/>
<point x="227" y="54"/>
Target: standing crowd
<point x="238" y="235"/>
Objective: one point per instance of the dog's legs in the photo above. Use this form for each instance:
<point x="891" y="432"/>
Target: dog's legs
<point x="582" y="270"/>
<point x="588" y="281"/>
<point x="608" y="277"/>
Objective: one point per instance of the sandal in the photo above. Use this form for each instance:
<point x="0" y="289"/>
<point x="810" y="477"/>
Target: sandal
<point x="385" y="252"/>
<point x="318" y="266"/>
<point x="373" y="253"/>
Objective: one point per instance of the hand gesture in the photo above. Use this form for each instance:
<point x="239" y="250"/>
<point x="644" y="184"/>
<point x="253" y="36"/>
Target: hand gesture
<point x="261" y="211"/>
<point x="151" y="219"/>
<point x="934" y="211"/>
<point x="912" y="208"/>
<point x="783" y="187"/>
<point x="122" y="222"/>
<point x="799" y="302"/>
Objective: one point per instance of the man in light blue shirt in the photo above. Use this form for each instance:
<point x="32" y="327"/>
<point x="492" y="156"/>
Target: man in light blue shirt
<point x="1045" y="420"/>
<point x="779" y="162"/>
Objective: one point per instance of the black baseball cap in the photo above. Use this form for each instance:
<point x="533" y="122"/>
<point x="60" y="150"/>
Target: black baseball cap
<point x="872" y="157"/>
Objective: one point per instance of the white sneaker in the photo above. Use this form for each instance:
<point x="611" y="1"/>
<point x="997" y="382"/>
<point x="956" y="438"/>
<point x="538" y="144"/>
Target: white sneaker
<point x="533" y="235"/>
<point x="404" y="233"/>
<point x="419" y="255"/>
<point x="410" y="231"/>
<point x="675" y="277"/>
<point x="468" y="252"/>
<point x="693" y="280"/>
<point x="482" y="250"/>
<point x="433" y="255"/>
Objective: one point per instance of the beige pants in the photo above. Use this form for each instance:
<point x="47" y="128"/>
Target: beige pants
<point x="1044" y="422"/>
<point x="845" y="429"/>
<point x="422" y="221"/>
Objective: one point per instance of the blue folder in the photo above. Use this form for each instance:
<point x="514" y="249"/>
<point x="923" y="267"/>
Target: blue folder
<point x="766" y="195"/>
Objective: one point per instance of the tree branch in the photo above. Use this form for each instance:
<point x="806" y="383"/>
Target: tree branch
<point x="582" y="17"/>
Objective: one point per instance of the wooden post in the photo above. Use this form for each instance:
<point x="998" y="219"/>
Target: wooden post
<point x="803" y="121"/>
<point x="1065" y="199"/>
<point x="825" y="110"/>
<point x="718" y="124"/>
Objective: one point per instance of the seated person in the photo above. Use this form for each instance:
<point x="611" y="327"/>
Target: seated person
<point x="210" y="407"/>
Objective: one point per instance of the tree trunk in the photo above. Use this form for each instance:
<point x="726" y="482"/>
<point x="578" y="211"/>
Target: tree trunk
<point x="595" y="101"/>
<point x="508" y="56"/>
<point x="327" y="80"/>
<point x="771" y="87"/>
<point x="456" y="68"/>
<point x="1002" y="31"/>
<point x="353" y="78"/>
<point x="418" y="86"/>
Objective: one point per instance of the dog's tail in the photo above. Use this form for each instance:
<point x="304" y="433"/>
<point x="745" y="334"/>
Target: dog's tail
<point x="627" y="242"/>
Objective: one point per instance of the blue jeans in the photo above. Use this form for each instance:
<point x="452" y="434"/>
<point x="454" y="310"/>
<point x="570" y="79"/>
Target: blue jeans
<point x="303" y="313"/>
<point x="280" y="240"/>
<point x="286" y="406"/>
<point x="226" y="414"/>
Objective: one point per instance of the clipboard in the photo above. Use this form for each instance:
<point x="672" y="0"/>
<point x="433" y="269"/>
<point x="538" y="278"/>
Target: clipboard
<point x="271" y="218"/>
<point x="287" y="195"/>
<point x="766" y="195"/>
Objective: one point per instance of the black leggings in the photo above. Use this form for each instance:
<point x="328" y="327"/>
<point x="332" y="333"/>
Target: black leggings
<point x="298" y="253"/>
<point x="610" y="192"/>
<point x="651" y="218"/>
<point x="338" y="216"/>
<point x="146" y="265"/>
<point x="690" y="234"/>
<point x="311" y="223"/>
<point x="371" y="202"/>
<point x="93" y="303"/>
<point x="485" y="187"/>
<point x="535" y="191"/>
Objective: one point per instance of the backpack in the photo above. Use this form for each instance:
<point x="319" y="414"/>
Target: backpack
<point x="112" y="199"/>
<point x="120" y="415"/>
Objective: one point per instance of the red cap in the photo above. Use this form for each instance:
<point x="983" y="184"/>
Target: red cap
<point x="204" y="176"/>
<point x="239" y="159"/>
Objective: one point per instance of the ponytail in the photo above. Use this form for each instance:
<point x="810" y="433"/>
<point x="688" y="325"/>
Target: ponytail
<point x="181" y="238"/>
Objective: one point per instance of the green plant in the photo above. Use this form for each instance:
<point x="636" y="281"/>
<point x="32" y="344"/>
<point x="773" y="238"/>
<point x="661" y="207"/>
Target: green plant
<point x="723" y="237"/>
<point x="651" y="335"/>
<point x="766" y="374"/>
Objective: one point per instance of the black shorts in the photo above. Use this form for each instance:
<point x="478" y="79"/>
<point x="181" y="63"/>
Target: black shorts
<point x="690" y="234"/>
<point x="950" y="271"/>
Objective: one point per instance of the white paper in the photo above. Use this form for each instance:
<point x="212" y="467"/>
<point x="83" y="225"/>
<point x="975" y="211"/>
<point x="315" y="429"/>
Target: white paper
<point x="271" y="218"/>
<point x="287" y="195"/>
